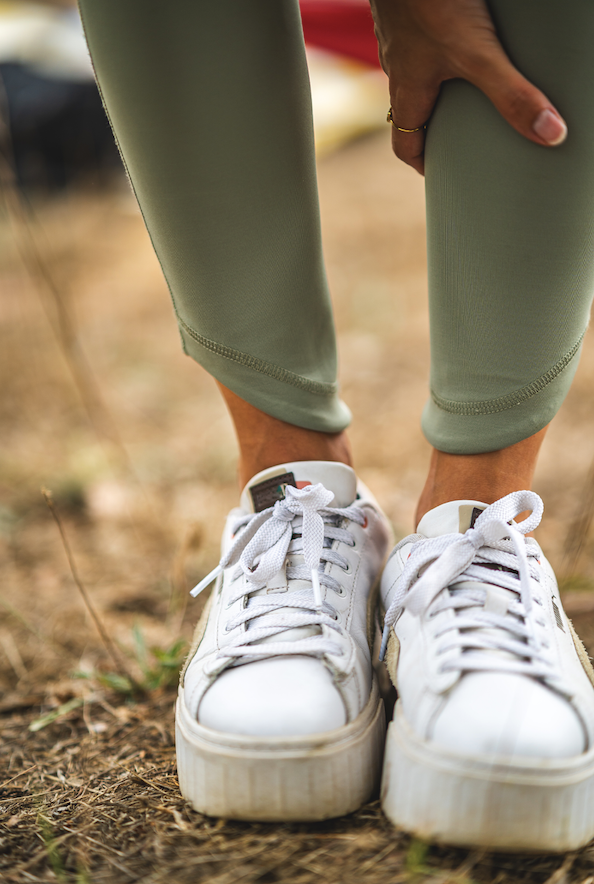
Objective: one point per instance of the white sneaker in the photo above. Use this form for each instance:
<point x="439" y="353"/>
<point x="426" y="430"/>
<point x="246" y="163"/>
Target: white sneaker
<point x="279" y="715"/>
<point x="492" y="742"/>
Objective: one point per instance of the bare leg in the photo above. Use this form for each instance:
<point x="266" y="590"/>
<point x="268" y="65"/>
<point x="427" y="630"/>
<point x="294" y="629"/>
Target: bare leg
<point x="265" y="441"/>
<point x="484" y="477"/>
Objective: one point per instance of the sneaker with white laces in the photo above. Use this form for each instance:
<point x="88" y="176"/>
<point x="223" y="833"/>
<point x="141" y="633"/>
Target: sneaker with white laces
<point x="492" y="742"/>
<point x="279" y="716"/>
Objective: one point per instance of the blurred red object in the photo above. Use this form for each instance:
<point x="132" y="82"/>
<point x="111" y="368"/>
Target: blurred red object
<point x="342" y="26"/>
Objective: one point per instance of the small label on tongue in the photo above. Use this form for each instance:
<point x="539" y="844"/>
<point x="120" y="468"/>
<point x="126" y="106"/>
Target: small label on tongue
<point x="468" y="516"/>
<point x="266" y="493"/>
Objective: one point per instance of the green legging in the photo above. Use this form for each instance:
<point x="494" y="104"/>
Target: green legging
<point x="210" y="105"/>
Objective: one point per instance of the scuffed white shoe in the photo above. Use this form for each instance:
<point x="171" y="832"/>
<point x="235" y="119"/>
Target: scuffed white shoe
<point x="279" y="715"/>
<point x="492" y="742"/>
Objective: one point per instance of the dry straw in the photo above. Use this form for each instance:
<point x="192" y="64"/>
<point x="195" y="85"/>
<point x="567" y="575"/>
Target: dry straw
<point x="110" y="647"/>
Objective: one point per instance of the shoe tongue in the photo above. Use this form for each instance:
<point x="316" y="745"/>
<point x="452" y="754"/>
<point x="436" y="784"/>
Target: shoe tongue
<point x="454" y="517"/>
<point x="269" y="486"/>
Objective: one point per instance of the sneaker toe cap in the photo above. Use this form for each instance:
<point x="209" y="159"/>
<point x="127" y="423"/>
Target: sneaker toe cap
<point x="506" y="714"/>
<point x="276" y="697"/>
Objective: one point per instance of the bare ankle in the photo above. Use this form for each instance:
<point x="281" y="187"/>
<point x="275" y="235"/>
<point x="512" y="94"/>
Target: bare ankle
<point x="485" y="477"/>
<point x="285" y="445"/>
<point x="266" y="441"/>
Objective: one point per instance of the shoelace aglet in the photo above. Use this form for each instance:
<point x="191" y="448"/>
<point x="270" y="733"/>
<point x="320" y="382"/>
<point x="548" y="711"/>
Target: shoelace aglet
<point x="317" y="592"/>
<point x="206" y="582"/>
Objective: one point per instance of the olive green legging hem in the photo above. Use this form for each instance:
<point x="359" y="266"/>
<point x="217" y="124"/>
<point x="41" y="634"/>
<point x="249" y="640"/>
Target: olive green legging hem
<point x="210" y="106"/>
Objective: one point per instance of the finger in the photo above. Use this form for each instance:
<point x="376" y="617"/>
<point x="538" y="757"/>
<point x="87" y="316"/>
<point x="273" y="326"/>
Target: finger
<point x="518" y="101"/>
<point x="411" y="108"/>
<point x="410" y="148"/>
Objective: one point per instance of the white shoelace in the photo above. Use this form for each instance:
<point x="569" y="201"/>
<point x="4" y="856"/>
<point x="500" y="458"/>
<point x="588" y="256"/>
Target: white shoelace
<point x="493" y="554"/>
<point x="300" y="525"/>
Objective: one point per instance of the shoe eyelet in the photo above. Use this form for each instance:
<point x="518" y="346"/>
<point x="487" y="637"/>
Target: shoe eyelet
<point x="334" y="616"/>
<point x="348" y="569"/>
<point x="341" y="592"/>
<point x="365" y="522"/>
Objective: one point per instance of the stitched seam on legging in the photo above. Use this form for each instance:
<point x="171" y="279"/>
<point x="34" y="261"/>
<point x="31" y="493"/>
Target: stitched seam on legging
<point x="502" y="403"/>
<point x="268" y="368"/>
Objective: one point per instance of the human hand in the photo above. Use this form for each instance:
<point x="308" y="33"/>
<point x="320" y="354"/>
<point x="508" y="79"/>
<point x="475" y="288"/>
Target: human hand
<point x="424" y="42"/>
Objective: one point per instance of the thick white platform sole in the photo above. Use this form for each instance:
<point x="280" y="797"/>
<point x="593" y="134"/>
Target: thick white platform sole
<point x="544" y="805"/>
<point x="281" y="778"/>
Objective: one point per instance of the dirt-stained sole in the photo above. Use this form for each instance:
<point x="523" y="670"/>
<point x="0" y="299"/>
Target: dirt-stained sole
<point x="281" y="778"/>
<point x="540" y="805"/>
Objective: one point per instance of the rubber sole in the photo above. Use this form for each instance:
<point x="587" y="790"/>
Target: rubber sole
<point x="540" y="805"/>
<point x="281" y="778"/>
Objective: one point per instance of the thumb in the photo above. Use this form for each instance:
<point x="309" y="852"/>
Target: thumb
<point x="518" y="101"/>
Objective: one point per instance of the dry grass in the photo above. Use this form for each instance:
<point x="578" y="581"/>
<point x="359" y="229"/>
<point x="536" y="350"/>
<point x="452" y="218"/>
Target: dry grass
<point x="94" y="797"/>
<point x="89" y="793"/>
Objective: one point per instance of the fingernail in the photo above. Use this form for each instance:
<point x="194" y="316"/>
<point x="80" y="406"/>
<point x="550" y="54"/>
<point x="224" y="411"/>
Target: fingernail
<point x="550" y="127"/>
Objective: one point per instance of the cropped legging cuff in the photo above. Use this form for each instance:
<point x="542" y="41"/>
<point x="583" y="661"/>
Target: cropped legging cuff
<point x="211" y="107"/>
<point x="510" y="239"/>
<point x="284" y="394"/>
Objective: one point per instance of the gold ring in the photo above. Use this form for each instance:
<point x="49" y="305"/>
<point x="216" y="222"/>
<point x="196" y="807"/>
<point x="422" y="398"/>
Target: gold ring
<point x="390" y="119"/>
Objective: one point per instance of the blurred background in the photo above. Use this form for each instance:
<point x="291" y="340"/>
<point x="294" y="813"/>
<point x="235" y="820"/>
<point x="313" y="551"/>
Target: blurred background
<point x="98" y="404"/>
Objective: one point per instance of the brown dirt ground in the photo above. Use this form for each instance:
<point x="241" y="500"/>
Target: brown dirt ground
<point x="142" y="483"/>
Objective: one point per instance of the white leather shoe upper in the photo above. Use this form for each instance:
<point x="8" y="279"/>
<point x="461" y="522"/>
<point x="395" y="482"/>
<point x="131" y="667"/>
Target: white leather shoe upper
<point x="482" y="654"/>
<point x="497" y="713"/>
<point x="280" y="696"/>
<point x="285" y="651"/>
